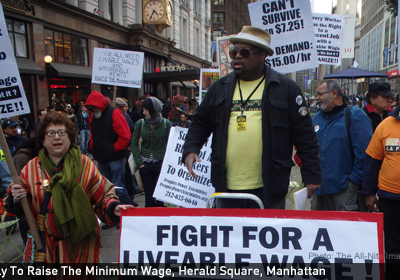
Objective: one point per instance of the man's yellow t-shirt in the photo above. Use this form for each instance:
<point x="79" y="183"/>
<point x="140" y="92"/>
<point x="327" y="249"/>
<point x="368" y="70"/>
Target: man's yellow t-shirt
<point x="244" y="150"/>
<point x="385" y="146"/>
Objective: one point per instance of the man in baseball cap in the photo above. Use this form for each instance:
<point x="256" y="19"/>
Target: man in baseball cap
<point x="14" y="140"/>
<point x="254" y="104"/>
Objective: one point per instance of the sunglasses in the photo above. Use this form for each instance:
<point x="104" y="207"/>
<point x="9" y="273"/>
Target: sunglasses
<point x="245" y="53"/>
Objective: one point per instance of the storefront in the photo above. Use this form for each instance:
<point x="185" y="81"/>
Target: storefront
<point x="394" y="80"/>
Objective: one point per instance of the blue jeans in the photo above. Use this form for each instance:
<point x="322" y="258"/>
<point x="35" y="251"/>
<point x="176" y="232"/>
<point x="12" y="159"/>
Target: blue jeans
<point x="123" y="196"/>
<point x="85" y="138"/>
<point x="114" y="171"/>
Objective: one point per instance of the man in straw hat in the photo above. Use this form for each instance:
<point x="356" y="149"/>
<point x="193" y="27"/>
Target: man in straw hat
<point x="256" y="115"/>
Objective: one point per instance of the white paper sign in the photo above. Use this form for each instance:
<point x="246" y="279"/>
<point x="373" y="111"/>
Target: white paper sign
<point x="292" y="33"/>
<point x="329" y="36"/>
<point x="229" y="238"/>
<point x="348" y="36"/>
<point x="117" y="67"/>
<point x="174" y="185"/>
<point x="12" y="95"/>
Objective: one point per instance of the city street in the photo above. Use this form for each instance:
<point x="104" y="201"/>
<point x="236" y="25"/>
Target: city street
<point x="110" y="237"/>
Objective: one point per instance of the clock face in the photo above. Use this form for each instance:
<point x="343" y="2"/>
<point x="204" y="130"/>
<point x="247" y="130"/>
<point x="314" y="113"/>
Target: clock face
<point x="169" y="12"/>
<point x="154" y="10"/>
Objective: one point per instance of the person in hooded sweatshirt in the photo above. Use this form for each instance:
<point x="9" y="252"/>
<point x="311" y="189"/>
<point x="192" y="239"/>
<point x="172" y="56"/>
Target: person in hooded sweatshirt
<point x="153" y="131"/>
<point x="109" y="139"/>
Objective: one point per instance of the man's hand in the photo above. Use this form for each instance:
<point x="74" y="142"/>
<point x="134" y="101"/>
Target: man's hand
<point x="311" y="189"/>
<point x="372" y="202"/>
<point x="118" y="208"/>
<point x="189" y="160"/>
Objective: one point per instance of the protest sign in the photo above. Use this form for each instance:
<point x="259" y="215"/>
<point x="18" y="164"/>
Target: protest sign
<point x="277" y="242"/>
<point x="12" y="95"/>
<point x="224" y="59"/>
<point x="117" y="67"/>
<point x="174" y="184"/>
<point x="329" y="36"/>
<point x="348" y="36"/>
<point x="207" y="78"/>
<point x="292" y="33"/>
<point x="214" y="54"/>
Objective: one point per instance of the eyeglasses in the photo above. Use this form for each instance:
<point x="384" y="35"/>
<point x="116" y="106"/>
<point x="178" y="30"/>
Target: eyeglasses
<point x="245" y="53"/>
<point x="52" y="133"/>
<point x="321" y="93"/>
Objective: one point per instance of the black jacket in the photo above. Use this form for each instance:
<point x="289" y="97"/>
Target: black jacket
<point x="375" y="117"/>
<point x="283" y="127"/>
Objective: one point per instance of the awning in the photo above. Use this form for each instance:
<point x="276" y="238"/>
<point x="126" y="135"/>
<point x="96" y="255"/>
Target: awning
<point x="68" y="70"/>
<point x="166" y="77"/>
<point x="184" y="84"/>
<point x="27" y="66"/>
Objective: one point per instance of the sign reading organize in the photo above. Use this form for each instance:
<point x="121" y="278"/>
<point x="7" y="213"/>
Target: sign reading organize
<point x="12" y="95"/>
<point x="329" y="36"/>
<point x="174" y="184"/>
<point x="292" y="33"/>
<point x="251" y="243"/>
<point x="117" y="67"/>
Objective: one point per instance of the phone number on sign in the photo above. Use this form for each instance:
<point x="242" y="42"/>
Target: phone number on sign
<point x="181" y="198"/>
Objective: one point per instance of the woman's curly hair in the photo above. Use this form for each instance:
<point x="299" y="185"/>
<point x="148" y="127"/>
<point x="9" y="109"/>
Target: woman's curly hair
<point x="54" y="118"/>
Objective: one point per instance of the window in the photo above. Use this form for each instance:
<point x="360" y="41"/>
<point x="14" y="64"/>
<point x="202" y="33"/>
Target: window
<point x="219" y="2"/>
<point x="149" y="64"/>
<point x="110" y="9"/>
<point x="218" y="17"/>
<point x="66" y="48"/>
<point x="17" y="33"/>
<point x="347" y="7"/>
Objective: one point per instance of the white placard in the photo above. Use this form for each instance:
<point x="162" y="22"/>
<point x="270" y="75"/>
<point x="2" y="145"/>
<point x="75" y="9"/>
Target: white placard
<point x="329" y="36"/>
<point x="244" y="236"/>
<point x="348" y="36"/>
<point x="12" y="95"/>
<point x="292" y="33"/>
<point x="117" y="67"/>
<point x="174" y="185"/>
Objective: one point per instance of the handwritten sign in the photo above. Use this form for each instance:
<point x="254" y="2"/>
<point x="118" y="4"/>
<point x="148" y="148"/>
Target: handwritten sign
<point x="292" y="34"/>
<point x="12" y="95"/>
<point x="117" y="67"/>
<point x="348" y="36"/>
<point x="329" y="35"/>
<point x="174" y="184"/>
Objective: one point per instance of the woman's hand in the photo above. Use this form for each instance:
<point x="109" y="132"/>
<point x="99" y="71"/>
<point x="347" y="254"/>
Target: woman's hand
<point x="118" y="208"/>
<point x="18" y="192"/>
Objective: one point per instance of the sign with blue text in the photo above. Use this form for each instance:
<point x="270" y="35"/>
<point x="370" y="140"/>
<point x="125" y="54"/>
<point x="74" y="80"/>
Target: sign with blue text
<point x="251" y="243"/>
<point x="117" y="67"/>
<point x="174" y="184"/>
<point x="12" y="95"/>
<point x="292" y="33"/>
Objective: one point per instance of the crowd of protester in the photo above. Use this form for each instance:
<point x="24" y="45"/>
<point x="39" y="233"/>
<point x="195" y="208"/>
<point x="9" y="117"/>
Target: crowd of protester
<point x="110" y="135"/>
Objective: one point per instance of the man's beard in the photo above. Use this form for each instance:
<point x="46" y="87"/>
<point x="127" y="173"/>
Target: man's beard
<point x="97" y="115"/>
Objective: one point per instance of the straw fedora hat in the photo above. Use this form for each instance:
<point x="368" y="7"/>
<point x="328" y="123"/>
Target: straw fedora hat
<point x="254" y="36"/>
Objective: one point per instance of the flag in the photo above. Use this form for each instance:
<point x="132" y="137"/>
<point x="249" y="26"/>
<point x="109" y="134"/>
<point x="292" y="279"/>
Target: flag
<point x="355" y="64"/>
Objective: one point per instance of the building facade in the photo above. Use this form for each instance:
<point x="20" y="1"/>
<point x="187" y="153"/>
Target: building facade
<point x="69" y="30"/>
